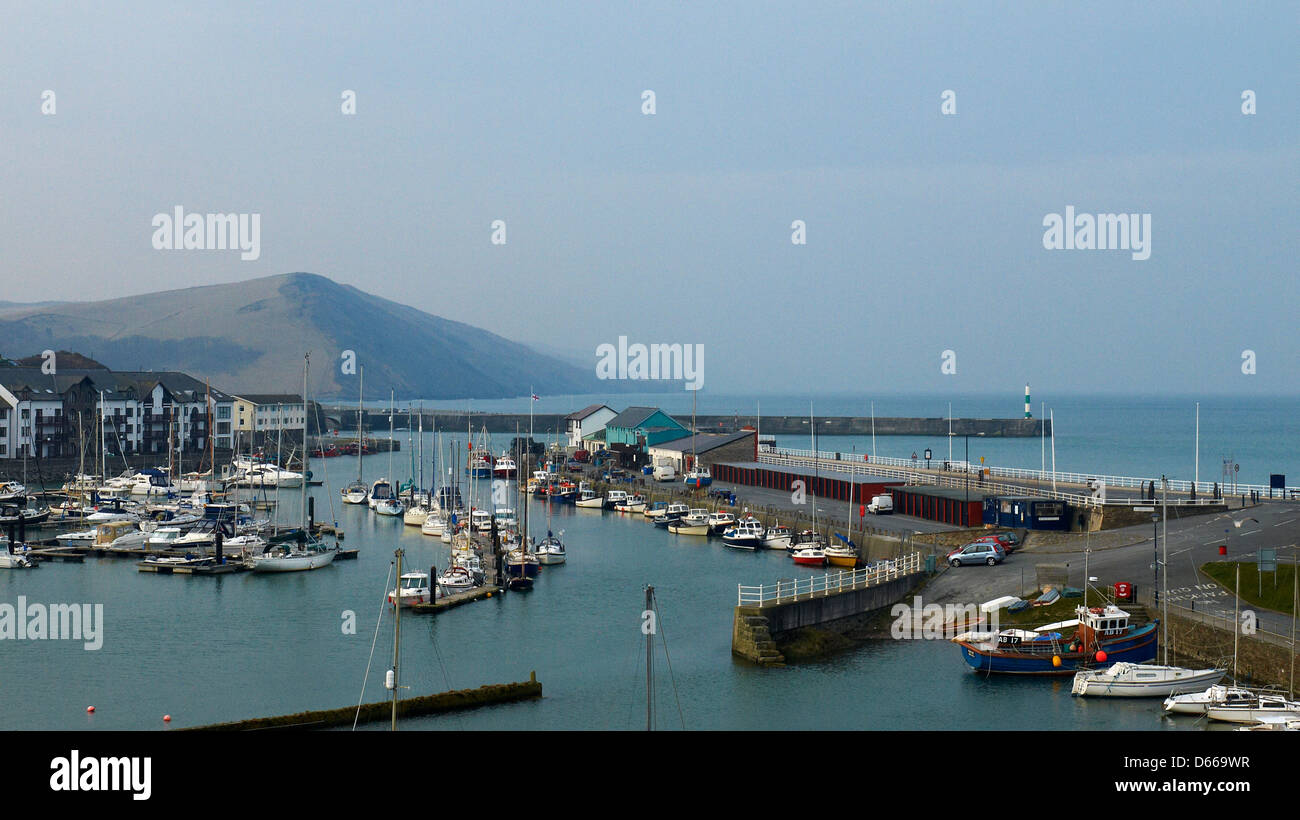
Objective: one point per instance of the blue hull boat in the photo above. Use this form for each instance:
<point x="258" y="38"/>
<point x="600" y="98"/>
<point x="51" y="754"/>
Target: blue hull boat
<point x="1101" y="630"/>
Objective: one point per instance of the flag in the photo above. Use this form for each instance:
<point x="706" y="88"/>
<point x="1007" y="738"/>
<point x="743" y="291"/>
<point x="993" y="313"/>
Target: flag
<point x="536" y="397"/>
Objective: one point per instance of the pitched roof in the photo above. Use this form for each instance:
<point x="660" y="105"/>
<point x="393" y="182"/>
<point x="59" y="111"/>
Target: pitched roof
<point x="587" y="411"/>
<point x="634" y="417"/>
<point x="114" y="383"/>
<point x="270" y="398"/>
<point x="702" y="442"/>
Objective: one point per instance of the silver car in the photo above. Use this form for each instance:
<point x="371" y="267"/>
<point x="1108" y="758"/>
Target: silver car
<point x="979" y="552"/>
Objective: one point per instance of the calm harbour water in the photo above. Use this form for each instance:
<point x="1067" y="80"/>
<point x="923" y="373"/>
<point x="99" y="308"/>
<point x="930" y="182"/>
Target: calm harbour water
<point x="214" y="649"/>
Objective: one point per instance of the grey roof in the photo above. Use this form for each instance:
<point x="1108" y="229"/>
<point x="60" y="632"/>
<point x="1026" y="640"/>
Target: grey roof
<point x="270" y="398"/>
<point x="633" y="417"/>
<point x="587" y="411"/>
<point x="702" y="442"/>
<point x="114" y="383"/>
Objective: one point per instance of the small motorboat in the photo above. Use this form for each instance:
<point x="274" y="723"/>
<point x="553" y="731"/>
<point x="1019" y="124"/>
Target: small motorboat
<point x="14" y="556"/>
<point x="631" y="504"/>
<point x="777" y="538"/>
<point x="810" y="556"/>
<point x="695" y="522"/>
<point x="614" y="498"/>
<point x="381" y="490"/>
<point x="720" y="521"/>
<point x="433" y="524"/>
<point x="414" y="589"/>
<point x="589" y="500"/>
<point x="672" y="514"/>
<point x="745" y="535"/>
<point x="698" y="478"/>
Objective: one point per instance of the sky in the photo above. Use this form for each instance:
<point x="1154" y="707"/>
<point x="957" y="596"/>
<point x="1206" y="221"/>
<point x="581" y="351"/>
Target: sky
<point x="924" y="230"/>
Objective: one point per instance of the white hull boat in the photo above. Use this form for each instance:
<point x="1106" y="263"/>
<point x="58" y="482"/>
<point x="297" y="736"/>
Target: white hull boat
<point x="1143" y="680"/>
<point x="1195" y="703"/>
<point x="1259" y="709"/>
<point x="293" y="560"/>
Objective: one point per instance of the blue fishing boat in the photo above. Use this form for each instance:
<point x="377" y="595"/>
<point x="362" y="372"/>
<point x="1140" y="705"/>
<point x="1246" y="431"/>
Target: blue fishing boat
<point x="1103" y="636"/>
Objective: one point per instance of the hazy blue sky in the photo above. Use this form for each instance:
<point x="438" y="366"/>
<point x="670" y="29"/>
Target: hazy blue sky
<point x="924" y="231"/>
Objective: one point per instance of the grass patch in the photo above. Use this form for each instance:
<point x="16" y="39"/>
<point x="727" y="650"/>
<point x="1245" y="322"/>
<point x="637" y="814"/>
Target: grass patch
<point x="1278" y="587"/>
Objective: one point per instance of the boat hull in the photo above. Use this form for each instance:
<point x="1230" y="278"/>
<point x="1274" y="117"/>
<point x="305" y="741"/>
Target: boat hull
<point x="1138" y="647"/>
<point x="294" y="563"/>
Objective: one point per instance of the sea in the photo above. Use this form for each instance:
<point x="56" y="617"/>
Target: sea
<point x="212" y="649"/>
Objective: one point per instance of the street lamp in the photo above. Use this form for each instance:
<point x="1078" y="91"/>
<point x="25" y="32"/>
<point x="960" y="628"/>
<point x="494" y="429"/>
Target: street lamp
<point x="1155" y="559"/>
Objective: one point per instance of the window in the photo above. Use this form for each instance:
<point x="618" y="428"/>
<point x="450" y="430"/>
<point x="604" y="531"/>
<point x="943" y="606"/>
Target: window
<point x="223" y="412"/>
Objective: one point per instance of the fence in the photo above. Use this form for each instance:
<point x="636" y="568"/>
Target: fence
<point x="830" y="583"/>
<point x="833" y="463"/>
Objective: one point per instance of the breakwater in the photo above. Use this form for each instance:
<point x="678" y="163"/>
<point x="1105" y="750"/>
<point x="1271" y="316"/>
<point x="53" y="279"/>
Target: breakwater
<point x="371" y="712"/>
<point x="549" y="424"/>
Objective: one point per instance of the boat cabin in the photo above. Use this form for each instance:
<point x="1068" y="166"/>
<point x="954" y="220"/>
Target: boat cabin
<point x="1106" y="622"/>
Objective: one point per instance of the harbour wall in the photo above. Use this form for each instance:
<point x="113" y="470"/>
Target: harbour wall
<point x="1263" y="659"/>
<point x="758" y="632"/>
<point x="551" y="424"/>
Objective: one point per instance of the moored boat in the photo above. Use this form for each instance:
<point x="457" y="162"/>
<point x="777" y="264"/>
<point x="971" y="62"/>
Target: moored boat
<point x="1102" y="635"/>
<point x="1195" y="703"/>
<point x="1142" y="680"/>
<point x="745" y="535"/>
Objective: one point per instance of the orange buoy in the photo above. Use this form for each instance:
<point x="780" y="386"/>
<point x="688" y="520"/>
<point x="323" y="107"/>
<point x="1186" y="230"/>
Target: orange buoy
<point x="1101" y="656"/>
<point x="1056" y="660"/>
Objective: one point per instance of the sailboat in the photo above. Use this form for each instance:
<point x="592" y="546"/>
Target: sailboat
<point x="356" y="492"/>
<point x="384" y="499"/>
<point x="521" y="565"/>
<point x="697" y="476"/>
<point x="307" y="552"/>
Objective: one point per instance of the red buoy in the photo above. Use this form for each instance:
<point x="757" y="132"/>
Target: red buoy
<point x="1101" y="656"/>
<point x="167" y="718"/>
<point x="90" y="709"/>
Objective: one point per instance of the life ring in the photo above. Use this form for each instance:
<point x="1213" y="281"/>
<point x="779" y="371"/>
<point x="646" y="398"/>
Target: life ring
<point x="1096" y="610"/>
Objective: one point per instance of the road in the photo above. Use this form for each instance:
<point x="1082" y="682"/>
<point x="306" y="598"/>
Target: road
<point x="1192" y="542"/>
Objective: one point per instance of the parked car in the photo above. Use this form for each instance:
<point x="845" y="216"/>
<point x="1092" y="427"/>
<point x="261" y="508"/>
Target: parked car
<point x="582" y="455"/>
<point x="977" y="552"/>
<point x="1007" y="540"/>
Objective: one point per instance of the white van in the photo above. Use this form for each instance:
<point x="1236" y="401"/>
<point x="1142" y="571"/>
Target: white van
<point x="664" y="472"/>
<point x="881" y="505"/>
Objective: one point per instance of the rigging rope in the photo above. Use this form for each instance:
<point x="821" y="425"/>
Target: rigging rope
<point x="373" y="641"/>
<point x="659" y="623"/>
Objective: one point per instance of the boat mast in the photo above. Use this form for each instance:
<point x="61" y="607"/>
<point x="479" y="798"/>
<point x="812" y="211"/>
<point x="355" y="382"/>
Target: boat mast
<point x="306" y="366"/>
<point x="391" y="409"/>
<point x="361" y="435"/>
<point x="649" y="662"/>
<point x="812" y="423"/>
<point x="397" y="633"/>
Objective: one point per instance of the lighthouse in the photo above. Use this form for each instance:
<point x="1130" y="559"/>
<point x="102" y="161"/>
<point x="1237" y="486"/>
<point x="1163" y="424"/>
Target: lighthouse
<point x="1029" y="414"/>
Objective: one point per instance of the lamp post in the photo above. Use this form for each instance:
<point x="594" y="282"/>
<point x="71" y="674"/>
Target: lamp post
<point x="1155" y="559"/>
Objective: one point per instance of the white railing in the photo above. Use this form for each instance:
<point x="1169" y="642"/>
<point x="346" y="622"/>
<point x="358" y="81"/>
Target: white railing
<point x="830" y="583"/>
<point x="879" y="466"/>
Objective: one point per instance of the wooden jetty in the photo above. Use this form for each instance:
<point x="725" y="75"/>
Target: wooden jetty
<point x="456" y="599"/>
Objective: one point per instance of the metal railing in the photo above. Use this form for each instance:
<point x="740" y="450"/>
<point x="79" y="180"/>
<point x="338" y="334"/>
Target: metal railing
<point x="827" y="463"/>
<point x="830" y="583"/>
<point x="1131" y="482"/>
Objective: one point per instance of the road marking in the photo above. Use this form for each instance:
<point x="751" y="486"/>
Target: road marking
<point x="1284" y="523"/>
<point x="1252" y="532"/>
<point x="1215" y="541"/>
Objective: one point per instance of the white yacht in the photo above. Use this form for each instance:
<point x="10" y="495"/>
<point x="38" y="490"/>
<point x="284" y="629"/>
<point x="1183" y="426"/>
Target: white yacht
<point x="1143" y="680"/>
